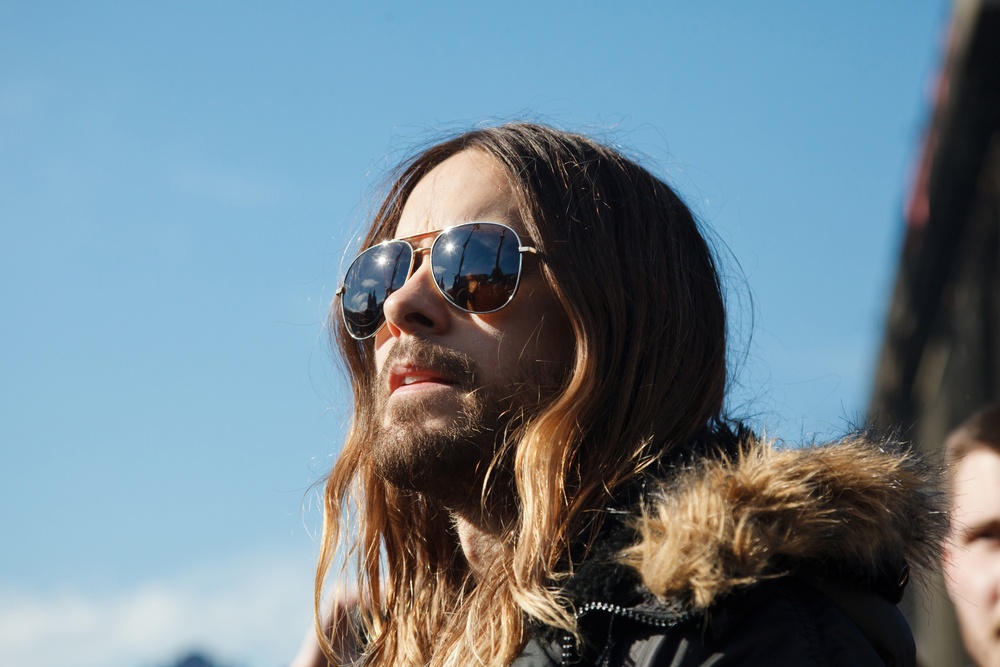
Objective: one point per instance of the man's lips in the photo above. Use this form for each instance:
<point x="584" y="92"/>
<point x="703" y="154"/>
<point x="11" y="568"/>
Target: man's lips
<point x="405" y="376"/>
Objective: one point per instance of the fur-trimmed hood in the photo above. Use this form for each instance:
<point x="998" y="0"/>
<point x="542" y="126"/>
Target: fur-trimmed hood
<point x="829" y="532"/>
<point x="727" y="522"/>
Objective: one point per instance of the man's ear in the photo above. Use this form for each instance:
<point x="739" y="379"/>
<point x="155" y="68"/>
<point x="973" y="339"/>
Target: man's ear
<point x="948" y="564"/>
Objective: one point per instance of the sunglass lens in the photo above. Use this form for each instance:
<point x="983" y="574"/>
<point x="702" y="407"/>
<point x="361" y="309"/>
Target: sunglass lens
<point x="373" y="276"/>
<point x="477" y="266"/>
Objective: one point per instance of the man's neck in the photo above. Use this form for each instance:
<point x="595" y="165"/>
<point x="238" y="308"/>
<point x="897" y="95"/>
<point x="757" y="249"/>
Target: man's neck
<point x="480" y="542"/>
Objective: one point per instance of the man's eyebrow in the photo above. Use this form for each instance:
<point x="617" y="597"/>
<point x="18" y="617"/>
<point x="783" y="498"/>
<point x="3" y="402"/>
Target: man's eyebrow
<point x="969" y="529"/>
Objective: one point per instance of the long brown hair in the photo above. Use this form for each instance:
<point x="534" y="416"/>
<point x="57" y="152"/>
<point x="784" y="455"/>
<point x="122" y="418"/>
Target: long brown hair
<point x="641" y="291"/>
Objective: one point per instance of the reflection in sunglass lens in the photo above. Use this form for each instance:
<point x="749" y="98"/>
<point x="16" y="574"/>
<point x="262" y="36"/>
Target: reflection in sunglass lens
<point x="374" y="275"/>
<point x="477" y="266"/>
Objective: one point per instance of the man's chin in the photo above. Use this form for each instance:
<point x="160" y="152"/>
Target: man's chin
<point x="450" y="479"/>
<point x="434" y="453"/>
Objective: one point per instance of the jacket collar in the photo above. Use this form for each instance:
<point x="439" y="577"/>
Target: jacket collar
<point x="856" y="509"/>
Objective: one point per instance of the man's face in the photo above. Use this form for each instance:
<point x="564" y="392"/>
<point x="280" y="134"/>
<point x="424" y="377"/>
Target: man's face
<point x="972" y="554"/>
<point x="449" y="382"/>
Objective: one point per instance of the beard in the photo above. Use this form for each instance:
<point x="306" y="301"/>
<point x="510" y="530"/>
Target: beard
<point x="449" y="453"/>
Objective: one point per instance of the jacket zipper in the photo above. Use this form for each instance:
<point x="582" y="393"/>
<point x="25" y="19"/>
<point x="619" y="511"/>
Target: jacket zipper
<point x="652" y="619"/>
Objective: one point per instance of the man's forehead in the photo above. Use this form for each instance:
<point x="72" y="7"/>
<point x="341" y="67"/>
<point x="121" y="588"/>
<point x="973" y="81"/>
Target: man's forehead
<point x="467" y="187"/>
<point x="976" y="484"/>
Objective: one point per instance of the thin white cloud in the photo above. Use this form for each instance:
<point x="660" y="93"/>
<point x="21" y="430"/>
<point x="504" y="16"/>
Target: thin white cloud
<point x="252" y="613"/>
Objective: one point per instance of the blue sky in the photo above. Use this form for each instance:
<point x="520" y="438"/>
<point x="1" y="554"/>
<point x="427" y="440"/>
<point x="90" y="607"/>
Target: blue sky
<point x="179" y="186"/>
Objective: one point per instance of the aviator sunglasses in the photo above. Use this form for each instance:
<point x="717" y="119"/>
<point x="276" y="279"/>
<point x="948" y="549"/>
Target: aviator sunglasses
<point x="476" y="267"/>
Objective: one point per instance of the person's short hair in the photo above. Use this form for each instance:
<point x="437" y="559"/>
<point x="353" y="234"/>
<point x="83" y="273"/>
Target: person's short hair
<point x="981" y="430"/>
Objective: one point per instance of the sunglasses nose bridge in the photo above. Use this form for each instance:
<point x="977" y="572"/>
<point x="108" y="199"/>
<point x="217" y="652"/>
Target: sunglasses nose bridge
<point x="416" y="259"/>
<point x="417" y="252"/>
<point x="417" y="262"/>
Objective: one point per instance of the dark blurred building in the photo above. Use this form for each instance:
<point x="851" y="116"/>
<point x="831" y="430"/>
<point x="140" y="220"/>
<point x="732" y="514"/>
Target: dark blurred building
<point x="195" y="659"/>
<point x="940" y="358"/>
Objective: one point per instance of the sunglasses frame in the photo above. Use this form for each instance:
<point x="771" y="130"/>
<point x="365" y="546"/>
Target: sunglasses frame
<point x="429" y="250"/>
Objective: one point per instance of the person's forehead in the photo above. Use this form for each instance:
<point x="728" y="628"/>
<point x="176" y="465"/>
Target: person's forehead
<point x="976" y="484"/>
<point x="467" y="187"/>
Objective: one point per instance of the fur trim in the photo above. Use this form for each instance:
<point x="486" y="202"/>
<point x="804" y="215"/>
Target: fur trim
<point x="732" y="521"/>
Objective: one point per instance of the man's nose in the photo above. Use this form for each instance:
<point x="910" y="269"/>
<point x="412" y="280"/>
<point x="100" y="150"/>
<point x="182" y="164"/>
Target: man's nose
<point x="418" y="307"/>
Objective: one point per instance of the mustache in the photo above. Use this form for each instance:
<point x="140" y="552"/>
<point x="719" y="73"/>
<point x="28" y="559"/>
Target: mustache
<point x="456" y="366"/>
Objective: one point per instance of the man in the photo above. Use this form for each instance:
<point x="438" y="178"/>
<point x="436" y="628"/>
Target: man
<point x="972" y="553"/>
<point x="538" y="471"/>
